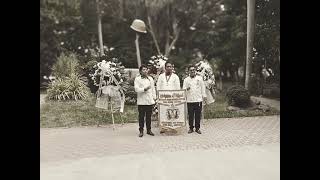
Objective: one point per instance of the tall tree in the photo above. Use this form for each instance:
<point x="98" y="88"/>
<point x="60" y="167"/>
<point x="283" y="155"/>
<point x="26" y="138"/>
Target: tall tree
<point x="99" y="13"/>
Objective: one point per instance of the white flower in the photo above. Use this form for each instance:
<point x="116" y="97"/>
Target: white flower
<point x="86" y="51"/>
<point x="79" y="47"/>
<point x="62" y="43"/>
<point x="111" y="49"/>
<point x="222" y="7"/>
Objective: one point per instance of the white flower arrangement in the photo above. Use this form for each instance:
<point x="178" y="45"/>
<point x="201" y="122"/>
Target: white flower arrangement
<point x="109" y="71"/>
<point x="109" y="76"/>
<point x="204" y="69"/>
<point x="159" y="62"/>
<point x="267" y="72"/>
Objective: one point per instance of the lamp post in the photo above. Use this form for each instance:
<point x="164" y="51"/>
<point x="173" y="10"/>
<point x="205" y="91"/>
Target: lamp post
<point x="139" y="27"/>
<point x="250" y="38"/>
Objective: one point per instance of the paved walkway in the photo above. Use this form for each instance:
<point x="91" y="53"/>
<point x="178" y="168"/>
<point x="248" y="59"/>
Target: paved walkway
<point x="229" y="148"/>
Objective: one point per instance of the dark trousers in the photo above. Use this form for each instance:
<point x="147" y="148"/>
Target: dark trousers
<point x="194" y="112"/>
<point x="145" y="112"/>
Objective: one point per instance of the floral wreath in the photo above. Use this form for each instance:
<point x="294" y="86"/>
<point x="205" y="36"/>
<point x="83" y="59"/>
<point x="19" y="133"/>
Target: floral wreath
<point x="204" y="69"/>
<point x="110" y="73"/>
<point x="158" y="62"/>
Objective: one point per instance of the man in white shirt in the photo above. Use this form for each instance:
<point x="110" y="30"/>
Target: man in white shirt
<point x="146" y="95"/>
<point x="168" y="81"/>
<point x="195" y="92"/>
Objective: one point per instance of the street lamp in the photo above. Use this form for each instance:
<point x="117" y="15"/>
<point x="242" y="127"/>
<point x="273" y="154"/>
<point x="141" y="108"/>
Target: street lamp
<point x="140" y="27"/>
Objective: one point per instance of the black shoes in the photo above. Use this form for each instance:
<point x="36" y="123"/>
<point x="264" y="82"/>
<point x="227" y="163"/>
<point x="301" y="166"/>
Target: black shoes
<point x="140" y="134"/>
<point x="150" y="133"/>
<point x="198" y="131"/>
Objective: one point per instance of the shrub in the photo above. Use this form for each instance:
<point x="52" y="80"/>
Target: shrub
<point x="88" y="68"/>
<point x="72" y="87"/>
<point x="238" y="96"/>
<point x="77" y="86"/>
<point x="131" y="95"/>
<point x="65" y="65"/>
<point x="58" y="90"/>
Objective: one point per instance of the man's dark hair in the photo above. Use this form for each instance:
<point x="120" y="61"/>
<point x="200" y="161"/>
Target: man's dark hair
<point x="190" y="66"/>
<point x="142" y="66"/>
<point x="168" y="62"/>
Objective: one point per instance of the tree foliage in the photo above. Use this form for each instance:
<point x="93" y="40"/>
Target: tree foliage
<point x="180" y="28"/>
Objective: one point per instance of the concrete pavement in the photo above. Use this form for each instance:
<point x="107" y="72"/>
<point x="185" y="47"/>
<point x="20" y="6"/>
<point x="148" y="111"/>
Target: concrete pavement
<point x="229" y="148"/>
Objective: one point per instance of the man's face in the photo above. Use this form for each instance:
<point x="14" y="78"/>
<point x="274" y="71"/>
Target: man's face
<point x="192" y="71"/>
<point x="144" y="71"/>
<point x="169" y="68"/>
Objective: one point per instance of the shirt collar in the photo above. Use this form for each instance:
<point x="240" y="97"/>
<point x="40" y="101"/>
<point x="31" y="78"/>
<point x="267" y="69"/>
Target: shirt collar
<point x="144" y="77"/>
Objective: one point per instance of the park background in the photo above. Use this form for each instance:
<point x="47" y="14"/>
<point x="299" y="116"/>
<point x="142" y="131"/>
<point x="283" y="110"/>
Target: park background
<point x="185" y="31"/>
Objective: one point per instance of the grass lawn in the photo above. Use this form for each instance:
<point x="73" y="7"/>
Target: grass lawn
<point x="84" y="113"/>
<point x="218" y="110"/>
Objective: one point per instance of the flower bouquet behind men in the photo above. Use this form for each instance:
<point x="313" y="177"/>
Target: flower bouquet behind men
<point x="204" y="69"/>
<point x="156" y="65"/>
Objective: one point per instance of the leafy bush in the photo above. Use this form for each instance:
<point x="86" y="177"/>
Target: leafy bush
<point x="238" y="96"/>
<point x="88" y="68"/>
<point x="131" y="95"/>
<point x="58" y="90"/>
<point x="77" y="87"/>
<point x="65" y="65"/>
<point x="69" y="84"/>
<point x="72" y="87"/>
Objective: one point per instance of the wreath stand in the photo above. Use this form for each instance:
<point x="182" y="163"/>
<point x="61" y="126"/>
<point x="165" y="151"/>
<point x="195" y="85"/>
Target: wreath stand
<point x="109" y="101"/>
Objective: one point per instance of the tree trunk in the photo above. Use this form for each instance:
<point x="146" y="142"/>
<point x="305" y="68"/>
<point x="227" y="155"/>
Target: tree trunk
<point x="236" y="77"/>
<point x="250" y="38"/>
<point x="153" y="35"/>
<point x="172" y="44"/>
<point x="166" y="48"/>
<point x="176" y="32"/>
<point x="121" y="9"/>
<point x="99" y="29"/>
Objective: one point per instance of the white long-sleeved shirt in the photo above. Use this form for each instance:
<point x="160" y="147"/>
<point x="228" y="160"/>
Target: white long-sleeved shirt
<point x="144" y="97"/>
<point x="197" y="90"/>
<point x="171" y="82"/>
